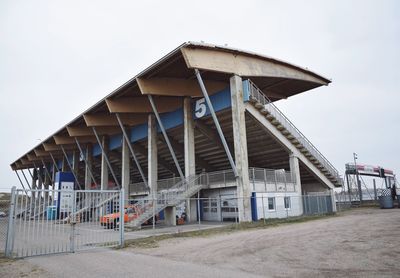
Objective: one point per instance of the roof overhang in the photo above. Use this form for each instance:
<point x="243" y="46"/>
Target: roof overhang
<point x="170" y="79"/>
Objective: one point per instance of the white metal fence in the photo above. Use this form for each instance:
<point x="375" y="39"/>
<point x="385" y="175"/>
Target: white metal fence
<point x="269" y="180"/>
<point x="264" y="206"/>
<point x="58" y="221"/>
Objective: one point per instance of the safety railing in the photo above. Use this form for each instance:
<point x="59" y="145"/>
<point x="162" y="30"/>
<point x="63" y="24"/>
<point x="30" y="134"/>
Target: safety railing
<point x="258" y="95"/>
<point x="150" y="206"/>
<point x="273" y="180"/>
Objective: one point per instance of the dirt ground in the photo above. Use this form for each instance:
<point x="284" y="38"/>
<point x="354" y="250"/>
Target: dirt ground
<point x="356" y="243"/>
<point x="359" y="243"/>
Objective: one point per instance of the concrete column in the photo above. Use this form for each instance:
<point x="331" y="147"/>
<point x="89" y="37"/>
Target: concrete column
<point x="53" y="175"/>
<point x="170" y="216"/>
<point x="295" y="172"/>
<point x="75" y="163"/>
<point x="88" y="166"/>
<point x="240" y="143"/>
<point x="190" y="159"/>
<point x="47" y="182"/>
<point x="152" y="161"/>
<point x="33" y="186"/>
<point x="125" y="170"/>
<point x="64" y="165"/>
<point x="152" y="154"/>
<point x="104" y="167"/>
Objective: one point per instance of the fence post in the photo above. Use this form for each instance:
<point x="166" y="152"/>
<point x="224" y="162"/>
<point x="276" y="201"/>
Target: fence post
<point x="265" y="180"/>
<point x="375" y="193"/>
<point x="72" y="223"/>
<point x="11" y="226"/>
<point x="262" y="201"/>
<point x="198" y="208"/>
<point x="254" y="181"/>
<point x="121" y="216"/>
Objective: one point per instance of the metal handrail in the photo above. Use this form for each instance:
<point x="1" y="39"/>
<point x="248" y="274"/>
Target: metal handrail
<point x="257" y="94"/>
<point x="224" y="177"/>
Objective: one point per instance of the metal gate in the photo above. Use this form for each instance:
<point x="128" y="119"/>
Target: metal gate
<point x="58" y="221"/>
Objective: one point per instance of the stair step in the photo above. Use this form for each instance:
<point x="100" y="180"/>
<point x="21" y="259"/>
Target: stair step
<point x="253" y="99"/>
<point x="259" y="105"/>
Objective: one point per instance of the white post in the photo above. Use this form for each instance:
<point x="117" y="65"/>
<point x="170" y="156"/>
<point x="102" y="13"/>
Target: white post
<point x="121" y="216"/>
<point x="10" y="227"/>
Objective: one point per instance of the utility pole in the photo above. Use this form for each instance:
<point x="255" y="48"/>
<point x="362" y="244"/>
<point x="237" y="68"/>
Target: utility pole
<point x="358" y="178"/>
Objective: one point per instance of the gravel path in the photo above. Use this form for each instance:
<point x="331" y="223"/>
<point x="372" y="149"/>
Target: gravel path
<point x="358" y="243"/>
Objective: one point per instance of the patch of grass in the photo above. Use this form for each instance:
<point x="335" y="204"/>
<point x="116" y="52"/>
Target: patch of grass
<point x="5" y="260"/>
<point x="153" y="241"/>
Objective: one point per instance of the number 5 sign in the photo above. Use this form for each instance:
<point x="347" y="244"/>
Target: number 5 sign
<point x="200" y="108"/>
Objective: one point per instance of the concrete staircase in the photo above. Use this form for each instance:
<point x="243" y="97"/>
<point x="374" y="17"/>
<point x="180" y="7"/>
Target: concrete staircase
<point x="166" y="198"/>
<point x="265" y="106"/>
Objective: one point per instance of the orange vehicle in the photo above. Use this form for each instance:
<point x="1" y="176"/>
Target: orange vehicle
<point x="111" y="220"/>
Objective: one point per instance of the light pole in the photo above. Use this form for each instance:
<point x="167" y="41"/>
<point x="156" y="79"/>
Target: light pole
<point x="358" y="178"/>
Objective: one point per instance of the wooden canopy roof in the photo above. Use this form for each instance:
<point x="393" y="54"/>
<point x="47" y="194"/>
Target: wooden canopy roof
<point x="168" y="80"/>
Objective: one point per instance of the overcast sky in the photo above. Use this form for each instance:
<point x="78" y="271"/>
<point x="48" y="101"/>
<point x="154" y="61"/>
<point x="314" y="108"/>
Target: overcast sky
<point x="57" y="58"/>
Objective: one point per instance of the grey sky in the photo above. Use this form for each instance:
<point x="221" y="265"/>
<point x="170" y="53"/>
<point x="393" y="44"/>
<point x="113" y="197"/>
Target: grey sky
<point x="57" y="58"/>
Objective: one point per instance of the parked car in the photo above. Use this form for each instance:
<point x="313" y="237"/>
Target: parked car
<point x="3" y="214"/>
<point x="132" y="212"/>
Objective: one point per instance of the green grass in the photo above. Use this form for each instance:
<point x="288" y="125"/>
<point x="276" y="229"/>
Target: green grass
<point x="153" y="241"/>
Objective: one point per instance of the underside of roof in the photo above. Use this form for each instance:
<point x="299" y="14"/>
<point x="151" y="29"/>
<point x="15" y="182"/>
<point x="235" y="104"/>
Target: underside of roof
<point x="169" y="80"/>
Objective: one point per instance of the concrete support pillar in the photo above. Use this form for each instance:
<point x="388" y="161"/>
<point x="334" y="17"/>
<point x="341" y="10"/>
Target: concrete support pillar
<point x="240" y="143"/>
<point x="104" y="167"/>
<point x="152" y="161"/>
<point x="33" y="186"/>
<point x="53" y="175"/>
<point x="295" y="172"/>
<point x="75" y="162"/>
<point x="170" y="216"/>
<point x="40" y="182"/>
<point x="125" y="170"/>
<point x="47" y="183"/>
<point x="152" y="154"/>
<point x="190" y="159"/>
<point x="88" y="166"/>
<point x="64" y="165"/>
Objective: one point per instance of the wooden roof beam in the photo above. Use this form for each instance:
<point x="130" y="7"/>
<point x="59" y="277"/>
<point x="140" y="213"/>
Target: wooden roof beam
<point x="48" y="147"/>
<point x="107" y="119"/>
<point x="177" y="86"/>
<point x="67" y="140"/>
<point x="142" y="105"/>
<point x="77" y="131"/>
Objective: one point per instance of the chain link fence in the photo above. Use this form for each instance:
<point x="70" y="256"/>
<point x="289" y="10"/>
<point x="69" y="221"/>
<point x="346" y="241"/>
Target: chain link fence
<point x="262" y="207"/>
<point x="4" y="212"/>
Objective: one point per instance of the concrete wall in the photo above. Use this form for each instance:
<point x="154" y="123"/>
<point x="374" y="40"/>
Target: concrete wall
<point x="279" y="211"/>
